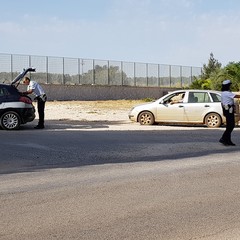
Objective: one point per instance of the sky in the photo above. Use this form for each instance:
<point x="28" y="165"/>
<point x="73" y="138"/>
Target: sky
<point x="175" y="32"/>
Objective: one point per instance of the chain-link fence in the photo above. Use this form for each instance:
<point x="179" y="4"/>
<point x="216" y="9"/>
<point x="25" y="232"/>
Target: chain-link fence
<point x="79" y="71"/>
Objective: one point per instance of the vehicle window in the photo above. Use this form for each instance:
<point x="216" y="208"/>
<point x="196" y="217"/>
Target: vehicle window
<point x="175" y="98"/>
<point x="3" y="92"/>
<point x="216" y="97"/>
<point x="198" y="97"/>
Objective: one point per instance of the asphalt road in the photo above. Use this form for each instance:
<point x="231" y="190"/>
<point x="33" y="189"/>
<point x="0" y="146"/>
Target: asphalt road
<point x="72" y="181"/>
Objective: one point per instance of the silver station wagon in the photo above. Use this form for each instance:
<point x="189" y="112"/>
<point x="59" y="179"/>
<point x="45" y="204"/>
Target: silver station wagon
<point x="183" y="106"/>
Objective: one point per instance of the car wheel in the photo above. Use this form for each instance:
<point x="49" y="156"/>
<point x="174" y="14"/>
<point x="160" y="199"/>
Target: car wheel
<point x="10" y="121"/>
<point x="146" y="118"/>
<point x="213" y="120"/>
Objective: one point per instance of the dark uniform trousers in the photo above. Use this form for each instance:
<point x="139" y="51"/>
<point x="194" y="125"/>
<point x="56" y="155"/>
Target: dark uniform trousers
<point x="41" y="108"/>
<point x="230" y="124"/>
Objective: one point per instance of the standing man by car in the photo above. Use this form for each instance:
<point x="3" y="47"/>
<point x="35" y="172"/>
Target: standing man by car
<point x="37" y="90"/>
<point x="227" y="99"/>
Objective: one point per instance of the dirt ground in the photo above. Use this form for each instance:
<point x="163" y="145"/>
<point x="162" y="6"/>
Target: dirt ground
<point x="89" y="110"/>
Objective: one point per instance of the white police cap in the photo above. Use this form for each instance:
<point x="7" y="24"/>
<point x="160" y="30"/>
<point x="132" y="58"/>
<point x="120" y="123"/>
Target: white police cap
<point x="226" y="82"/>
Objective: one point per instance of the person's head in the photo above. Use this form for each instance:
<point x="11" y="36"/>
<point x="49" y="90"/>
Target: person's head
<point x="26" y="80"/>
<point x="226" y="84"/>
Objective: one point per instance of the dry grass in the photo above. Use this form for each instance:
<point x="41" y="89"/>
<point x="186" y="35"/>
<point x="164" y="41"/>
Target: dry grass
<point x="108" y="104"/>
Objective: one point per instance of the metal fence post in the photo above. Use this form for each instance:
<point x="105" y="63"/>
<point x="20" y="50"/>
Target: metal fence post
<point x="108" y="75"/>
<point x="191" y="76"/>
<point x="170" y="75"/>
<point x="11" y="67"/>
<point x="147" y="73"/>
<point x="47" y="70"/>
<point x="94" y="80"/>
<point x="159" y="83"/>
<point x="29" y="64"/>
<point x="134" y="73"/>
<point x="79" y="75"/>
<point x="181" y="77"/>
<point x="63" y="71"/>
<point x="122" y="72"/>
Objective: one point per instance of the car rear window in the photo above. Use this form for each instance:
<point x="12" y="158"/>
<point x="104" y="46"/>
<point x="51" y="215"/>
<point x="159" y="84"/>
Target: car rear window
<point x="198" y="97"/>
<point x="3" y="92"/>
<point x="216" y="97"/>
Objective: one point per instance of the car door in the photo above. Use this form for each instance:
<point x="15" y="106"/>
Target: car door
<point x="171" y="112"/>
<point x="197" y="107"/>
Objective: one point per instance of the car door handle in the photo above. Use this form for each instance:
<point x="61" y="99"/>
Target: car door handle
<point x="206" y="105"/>
<point x="180" y="106"/>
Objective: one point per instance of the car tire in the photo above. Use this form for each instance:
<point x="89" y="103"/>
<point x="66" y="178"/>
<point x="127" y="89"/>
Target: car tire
<point x="10" y="121"/>
<point x="146" y="118"/>
<point x="213" y="120"/>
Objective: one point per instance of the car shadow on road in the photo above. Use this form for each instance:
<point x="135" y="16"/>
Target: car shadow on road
<point x="64" y="124"/>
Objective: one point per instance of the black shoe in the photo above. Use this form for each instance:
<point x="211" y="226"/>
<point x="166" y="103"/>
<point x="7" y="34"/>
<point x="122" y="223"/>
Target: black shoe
<point x="223" y="142"/>
<point x="231" y="144"/>
<point x="39" y="127"/>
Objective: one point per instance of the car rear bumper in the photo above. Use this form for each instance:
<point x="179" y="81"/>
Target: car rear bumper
<point x="28" y="115"/>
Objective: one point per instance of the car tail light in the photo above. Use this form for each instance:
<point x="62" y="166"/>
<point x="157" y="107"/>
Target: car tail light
<point x="25" y="100"/>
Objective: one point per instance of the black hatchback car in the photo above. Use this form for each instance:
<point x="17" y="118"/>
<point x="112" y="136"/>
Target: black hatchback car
<point x="15" y="109"/>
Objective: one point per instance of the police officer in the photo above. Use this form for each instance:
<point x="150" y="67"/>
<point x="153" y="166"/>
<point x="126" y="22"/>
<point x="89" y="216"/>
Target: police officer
<point x="37" y="90"/>
<point x="228" y="111"/>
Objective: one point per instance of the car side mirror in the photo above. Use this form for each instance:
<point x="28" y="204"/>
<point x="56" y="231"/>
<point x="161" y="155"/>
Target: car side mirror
<point x="164" y="102"/>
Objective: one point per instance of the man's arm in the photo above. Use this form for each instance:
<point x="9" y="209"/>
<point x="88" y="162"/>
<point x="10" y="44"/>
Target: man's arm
<point x="27" y="92"/>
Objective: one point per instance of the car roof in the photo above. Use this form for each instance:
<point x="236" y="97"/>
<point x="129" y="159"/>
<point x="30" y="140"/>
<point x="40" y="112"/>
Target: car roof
<point x="5" y="85"/>
<point x="187" y="91"/>
<point x="195" y="90"/>
<point x="10" y="88"/>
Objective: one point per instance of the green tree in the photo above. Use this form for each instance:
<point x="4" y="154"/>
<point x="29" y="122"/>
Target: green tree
<point x="200" y="83"/>
<point x="210" y="68"/>
<point x="232" y="72"/>
<point x="208" y="71"/>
